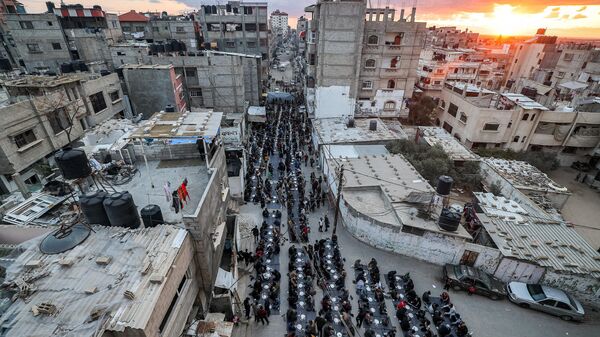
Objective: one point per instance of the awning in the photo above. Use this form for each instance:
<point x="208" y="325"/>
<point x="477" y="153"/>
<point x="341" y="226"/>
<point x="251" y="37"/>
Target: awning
<point x="224" y="279"/>
<point x="573" y="85"/>
<point x="257" y="114"/>
<point x="278" y="95"/>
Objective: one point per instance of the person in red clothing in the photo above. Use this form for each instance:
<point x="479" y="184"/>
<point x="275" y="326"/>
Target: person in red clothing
<point x="401" y="305"/>
<point x="262" y="315"/>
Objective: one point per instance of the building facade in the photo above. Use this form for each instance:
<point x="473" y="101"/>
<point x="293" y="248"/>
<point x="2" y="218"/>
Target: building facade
<point x="278" y="22"/>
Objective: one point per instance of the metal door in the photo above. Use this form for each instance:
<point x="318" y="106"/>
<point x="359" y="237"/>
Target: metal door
<point x="513" y="270"/>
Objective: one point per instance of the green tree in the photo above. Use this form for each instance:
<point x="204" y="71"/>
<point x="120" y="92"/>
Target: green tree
<point x="422" y="111"/>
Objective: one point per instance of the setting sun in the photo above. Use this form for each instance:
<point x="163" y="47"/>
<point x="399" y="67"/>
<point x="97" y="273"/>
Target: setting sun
<point x="504" y="20"/>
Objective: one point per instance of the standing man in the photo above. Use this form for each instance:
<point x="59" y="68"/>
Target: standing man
<point x="247" y="307"/>
<point x="326" y="223"/>
<point x="320" y="224"/>
<point x="255" y="233"/>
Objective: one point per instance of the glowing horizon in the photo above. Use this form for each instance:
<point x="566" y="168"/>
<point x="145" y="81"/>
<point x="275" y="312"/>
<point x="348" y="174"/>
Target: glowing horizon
<point x="565" y="18"/>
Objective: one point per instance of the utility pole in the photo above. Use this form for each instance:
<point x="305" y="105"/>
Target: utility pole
<point x="339" y="195"/>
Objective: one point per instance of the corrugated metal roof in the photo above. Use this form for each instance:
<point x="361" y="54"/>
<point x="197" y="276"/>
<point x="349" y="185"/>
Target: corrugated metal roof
<point x="65" y="286"/>
<point x="524" y="101"/>
<point x="546" y="242"/>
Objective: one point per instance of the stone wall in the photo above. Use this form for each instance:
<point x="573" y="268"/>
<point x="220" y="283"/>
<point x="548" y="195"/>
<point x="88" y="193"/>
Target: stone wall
<point x="586" y="288"/>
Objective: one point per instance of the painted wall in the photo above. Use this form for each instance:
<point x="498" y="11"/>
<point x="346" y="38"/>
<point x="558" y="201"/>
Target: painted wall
<point x="333" y="101"/>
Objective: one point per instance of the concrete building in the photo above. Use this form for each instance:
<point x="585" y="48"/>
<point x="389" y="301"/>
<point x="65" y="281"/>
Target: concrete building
<point x="337" y="131"/>
<point x="129" y="53"/>
<point x="38" y="115"/>
<point x="278" y="22"/>
<point x="451" y="37"/>
<point x="483" y="118"/>
<point x="344" y="34"/>
<point x="134" y="25"/>
<point x="152" y="88"/>
<point x="239" y="27"/>
<point x="527" y="57"/>
<point x="301" y="31"/>
<point x="117" y="282"/>
<point x="436" y="136"/>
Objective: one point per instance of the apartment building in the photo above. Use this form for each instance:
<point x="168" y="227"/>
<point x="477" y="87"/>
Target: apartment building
<point x="361" y="61"/>
<point x="451" y="37"/>
<point x="153" y="88"/>
<point x="43" y="112"/>
<point x="160" y="28"/>
<point x="483" y="118"/>
<point x="527" y="57"/>
<point x="278" y="21"/>
<point x="301" y="29"/>
<point x="239" y="27"/>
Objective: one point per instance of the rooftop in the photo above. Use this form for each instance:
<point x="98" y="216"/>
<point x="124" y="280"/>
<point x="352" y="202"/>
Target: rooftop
<point x="31" y="81"/>
<point x="454" y="149"/>
<point x="147" y="66"/>
<point x="459" y="88"/>
<point x="385" y="187"/>
<point x="180" y="125"/>
<point x="524" y="176"/>
<point x="89" y="296"/>
<point x="133" y="16"/>
<point x="518" y="234"/>
<point x="335" y="131"/>
<point x="523" y="101"/>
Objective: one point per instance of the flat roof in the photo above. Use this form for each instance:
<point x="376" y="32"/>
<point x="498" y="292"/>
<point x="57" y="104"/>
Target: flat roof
<point x="469" y="87"/>
<point x="188" y="124"/>
<point x="523" y="101"/>
<point x="335" y="131"/>
<point x="524" y="176"/>
<point x="434" y="135"/>
<point x="147" y="66"/>
<point x="518" y="234"/>
<point x="111" y="134"/>
<point x="355" y="151"/>
<point x="136" y="257"/>
<point x="387" y="188"/>
<point x="161" y="172"/>
<point x="28" y="81"/>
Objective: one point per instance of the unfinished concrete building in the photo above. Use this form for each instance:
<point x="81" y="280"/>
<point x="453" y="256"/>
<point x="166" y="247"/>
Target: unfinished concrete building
<point x="239" y="27"/>
<point x="361" y="61"/>
<point x="41" y="110"/>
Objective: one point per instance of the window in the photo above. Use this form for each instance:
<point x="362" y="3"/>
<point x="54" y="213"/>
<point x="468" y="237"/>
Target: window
<point x="367" y="85"/>
<point x="312" y="59"/>
<point x="120" y="53"/>
<point x="391" y="84"/>
<point x="251" y="44"/>
<point x="98" y="102"/>
<point x="373" y="39"/>
<point x="180" y="30"/>
<point x="248" y="10"/>
<point x="548" y="302"/>
<point x="24" y="138"/>
<point x="56" y="46"/>
<point x="26" y="24"/>
<point x="196" y="93"/>
<point x="59" y="121"/>
<point x="50" y="23"/>
<point x="263" y="42"/>
<point x="562" y="305"/>
<point x="398" y="39"/>
<point x="155" y="29"/>
<point x="33" y="48"/>
<point x="394" y="62"/>
<point x="230" y="44"/>
<point x="509" y="125"/>
<point x="491" y="127"/>
<point x="532" y="116"/>
<point x="262" y="27"/>
<point x="370" y="63"/>
<point x="452" y="109"/>
<point x="114" y="96"/>
<point x="126" y="29"/>
<point x="250" y="27"/>
<point x="463" y="117"/>
<point x="139" y="29"/>
<point x="523" y="139"/>
<point x="32" y="180"/>
<point x="389" y="105"/>
<point x="525" y="117"/>
<point x="447" y="127"/>
<point x="516" y="139"/>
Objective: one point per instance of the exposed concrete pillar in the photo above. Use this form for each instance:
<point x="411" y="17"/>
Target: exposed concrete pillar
<point x="413" y="14"/>
<point x="401" y="15"/>
<point x="21" y="185"/>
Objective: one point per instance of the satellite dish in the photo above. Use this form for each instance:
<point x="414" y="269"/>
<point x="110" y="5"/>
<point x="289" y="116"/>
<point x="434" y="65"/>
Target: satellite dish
<point x="64" y="239"/>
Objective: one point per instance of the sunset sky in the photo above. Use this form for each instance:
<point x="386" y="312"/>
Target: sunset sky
<point x="562" y="17"/>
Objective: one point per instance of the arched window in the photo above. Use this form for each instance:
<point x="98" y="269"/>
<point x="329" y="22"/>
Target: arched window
<point x="391" y="84"/>
<point x="393" y="62"/>
<point x="373" y="39"/>
<point x="398" y="40"/>
<point x="389" y="105"/>
<point x="370" y="63"/>
<point x="525" y="117"/>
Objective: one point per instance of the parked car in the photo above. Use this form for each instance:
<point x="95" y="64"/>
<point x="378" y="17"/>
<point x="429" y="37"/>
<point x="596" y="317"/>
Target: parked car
<point x="551" y="300"/>
<point x="463" y="277"/>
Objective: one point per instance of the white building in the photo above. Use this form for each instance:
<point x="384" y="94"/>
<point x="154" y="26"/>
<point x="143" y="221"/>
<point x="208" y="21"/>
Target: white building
<point x="278" y="21"/>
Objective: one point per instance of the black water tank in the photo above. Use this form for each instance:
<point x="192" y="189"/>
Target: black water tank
<point x="529" y="92"/>
<point x="168" y="48"/>
<point x="66" y="68"/>
<point x="104" y="72"/>
<point x="444" y="185"/>
<point x="152" y="216"/>
<point x="449" y="220"/>
<point x="121" y="210"/>
<point x="373" y="125"/>
<point x="73" y="163"/>
<point x="350" y="123"/>
<point x="182" y="46"/>
<point x="92" y="207"/>
<point x="160" y="48"/>
<point x="175" y="45"/>
<point x="169" y="108"/>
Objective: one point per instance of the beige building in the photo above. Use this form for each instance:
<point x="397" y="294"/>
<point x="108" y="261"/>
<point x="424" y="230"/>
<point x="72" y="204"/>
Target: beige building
<point x="40" y="111"/>
<point x="483" y="118"/>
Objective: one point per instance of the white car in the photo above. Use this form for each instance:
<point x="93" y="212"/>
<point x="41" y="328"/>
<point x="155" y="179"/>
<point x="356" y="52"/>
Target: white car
<point x="551" y="300"/>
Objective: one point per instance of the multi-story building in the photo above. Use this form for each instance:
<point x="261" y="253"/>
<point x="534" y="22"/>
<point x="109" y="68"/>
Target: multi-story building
<point x="160" y="28"/>
<point x="239" y="27"/>
<point x="43" y="112"/>
<point x="527" y="57"/>
<point x="451" y="37"/>
<point x="278" y="22"/>
<point x="301" y="29"/>
<point x="153" y="88"/>
<point x="361" y="61"/>
<point x="482" y="118"/>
